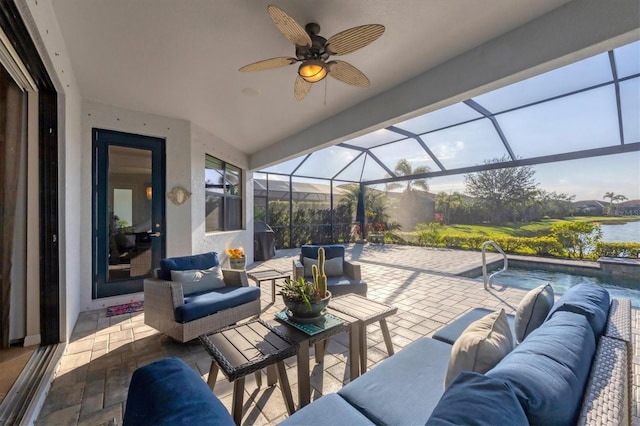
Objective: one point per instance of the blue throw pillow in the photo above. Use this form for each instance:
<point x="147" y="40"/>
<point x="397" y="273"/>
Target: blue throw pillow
<point x="590" y="300"/>
<point x="169" y="392"/>
<point x="475" y="399"/>
<point x="185" y="263"/>
<point x="548" y="371"/>
<point x="330" y="251"/>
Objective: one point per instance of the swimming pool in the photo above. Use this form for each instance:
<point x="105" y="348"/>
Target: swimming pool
<point x="561" y="281"/>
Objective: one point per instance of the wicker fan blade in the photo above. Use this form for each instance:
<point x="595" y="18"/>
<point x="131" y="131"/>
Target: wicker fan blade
<point x="301" y="88"/>
<point x="288" y="26"/>
<point x="347" y="73"/>
<point x="354" y="38"/>
<point x="268" y="64"/>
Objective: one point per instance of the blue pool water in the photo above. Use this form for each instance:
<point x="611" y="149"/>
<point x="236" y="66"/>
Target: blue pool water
<point x="560" y="281"/>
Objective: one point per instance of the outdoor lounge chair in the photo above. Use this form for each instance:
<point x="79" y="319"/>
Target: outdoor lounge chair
<point x="177" y="310"/>
<point x="343" y="277"/>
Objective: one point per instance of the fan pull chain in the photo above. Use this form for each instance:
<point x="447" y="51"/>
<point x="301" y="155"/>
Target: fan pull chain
<point x="325" y="91"/>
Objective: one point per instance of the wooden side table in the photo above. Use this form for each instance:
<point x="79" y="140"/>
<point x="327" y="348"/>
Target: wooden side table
<point x="244" y="349"/>
<point x="367" y="312"/>
<point x="268" y="275"/>
<point x="319" y="340"/>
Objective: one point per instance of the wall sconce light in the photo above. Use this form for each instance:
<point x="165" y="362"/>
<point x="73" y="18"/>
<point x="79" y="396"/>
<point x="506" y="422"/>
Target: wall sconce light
<point x="149" y="192"/>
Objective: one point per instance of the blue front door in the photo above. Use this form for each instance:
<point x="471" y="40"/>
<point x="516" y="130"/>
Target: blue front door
<point x="128" y="211"/>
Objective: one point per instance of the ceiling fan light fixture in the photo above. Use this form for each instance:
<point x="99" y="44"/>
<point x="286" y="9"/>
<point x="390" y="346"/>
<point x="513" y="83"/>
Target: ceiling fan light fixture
<point x="312" y="70"/>
<point x="313" y="51"/>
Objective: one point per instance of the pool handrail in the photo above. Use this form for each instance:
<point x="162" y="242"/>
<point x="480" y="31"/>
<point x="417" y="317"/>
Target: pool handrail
<point x="487" y="281"/>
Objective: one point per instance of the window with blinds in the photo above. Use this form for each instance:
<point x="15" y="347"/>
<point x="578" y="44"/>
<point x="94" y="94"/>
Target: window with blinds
<point x="223" y="195"/>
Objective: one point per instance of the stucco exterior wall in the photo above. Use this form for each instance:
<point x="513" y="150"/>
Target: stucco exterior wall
<point x="202" y="143"/>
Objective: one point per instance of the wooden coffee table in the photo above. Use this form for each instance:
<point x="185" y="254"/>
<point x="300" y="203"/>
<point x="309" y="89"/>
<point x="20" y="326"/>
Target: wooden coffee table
<point x="366" y="312"/>
<point x="268" y="275"/>
<point x="244" y="349"/>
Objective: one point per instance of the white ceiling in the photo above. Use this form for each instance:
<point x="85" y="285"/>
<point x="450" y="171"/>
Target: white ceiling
<point x="180" y="58"/>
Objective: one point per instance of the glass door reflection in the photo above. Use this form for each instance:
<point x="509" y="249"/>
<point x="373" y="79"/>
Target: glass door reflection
<point x="130" y="197"/>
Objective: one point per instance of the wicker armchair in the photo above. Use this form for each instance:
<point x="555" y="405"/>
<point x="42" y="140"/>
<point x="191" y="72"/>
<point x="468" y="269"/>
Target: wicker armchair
<point x="349" y="280"/>
<point x="163" y="297"/>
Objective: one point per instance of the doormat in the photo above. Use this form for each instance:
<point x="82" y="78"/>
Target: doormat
<point x="126" y="308"/>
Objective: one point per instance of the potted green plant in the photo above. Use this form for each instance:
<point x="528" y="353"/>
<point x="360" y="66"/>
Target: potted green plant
<point x="306" y="300"/>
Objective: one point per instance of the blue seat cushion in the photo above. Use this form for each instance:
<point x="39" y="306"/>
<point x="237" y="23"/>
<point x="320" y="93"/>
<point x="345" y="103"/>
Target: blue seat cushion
<point x="169" y="392"/>
<point x="475" y="399"/>
<point x="201" y="305"/>
<point x="185" y="263"/>
<point x="339" y="286"/>
<point x="590" y="300"/>
<point x="548" y="371"/>
<point x="413" y="375"/>
<point x="330" y="251"/>
<point x="329" y="410"/>
<point x="450" y="333"/>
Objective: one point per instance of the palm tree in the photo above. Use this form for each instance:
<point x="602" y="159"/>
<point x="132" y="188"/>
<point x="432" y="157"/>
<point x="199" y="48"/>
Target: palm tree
<point x="350" y="198"/>
<point x="445" y="203"/>
<point x="618" y="198"/>
<point x="403" y="168"/>
<point x="610" y="196"/>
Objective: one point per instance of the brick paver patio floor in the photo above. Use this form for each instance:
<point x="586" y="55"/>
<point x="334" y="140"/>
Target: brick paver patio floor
<point x="91" y="383"/>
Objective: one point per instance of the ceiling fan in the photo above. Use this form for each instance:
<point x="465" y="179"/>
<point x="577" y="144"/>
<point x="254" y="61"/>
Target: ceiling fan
<point x="313" y="51"/>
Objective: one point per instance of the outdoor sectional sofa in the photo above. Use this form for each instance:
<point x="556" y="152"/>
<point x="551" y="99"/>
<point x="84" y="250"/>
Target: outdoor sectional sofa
<point x="573" y="368"/>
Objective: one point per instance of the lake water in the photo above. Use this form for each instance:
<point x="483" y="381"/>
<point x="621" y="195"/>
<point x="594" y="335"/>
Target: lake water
<point x="629" y="232"/>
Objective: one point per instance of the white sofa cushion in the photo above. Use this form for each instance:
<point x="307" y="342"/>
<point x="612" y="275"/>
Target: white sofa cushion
<point x="332" y="267"/>
<point x="199" y="281"/>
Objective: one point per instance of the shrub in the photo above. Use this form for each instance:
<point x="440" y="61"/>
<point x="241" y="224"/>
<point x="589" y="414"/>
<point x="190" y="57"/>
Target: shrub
<point x="577" y="237"/>
<point x="475" y="242"/>
<point x="629" y="249"/>
<point x="429" y="234"/>
<point x="545" y="246"/>
<point x="454" y="241"/>
<point x="574" y="241"/>
<point x="511" y="244"/>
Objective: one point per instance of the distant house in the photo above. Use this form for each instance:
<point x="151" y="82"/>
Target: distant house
<point x="629" y="208"/>
<point x="589" y="207"/>
<point x="600" y="208"/>
<point x="300" y="191"/>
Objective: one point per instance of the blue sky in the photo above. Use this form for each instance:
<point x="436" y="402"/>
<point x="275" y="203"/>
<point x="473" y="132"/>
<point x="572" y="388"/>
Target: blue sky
<point x="587" y="179"/>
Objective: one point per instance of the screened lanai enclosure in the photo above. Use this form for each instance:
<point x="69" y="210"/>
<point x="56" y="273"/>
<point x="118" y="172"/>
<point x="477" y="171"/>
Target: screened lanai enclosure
<point x="374" y="182"/>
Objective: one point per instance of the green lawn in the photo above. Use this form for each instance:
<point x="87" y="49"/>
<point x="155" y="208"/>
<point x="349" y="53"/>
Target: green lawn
<point x="518" y="238"/>
<point x="531" y="229"/>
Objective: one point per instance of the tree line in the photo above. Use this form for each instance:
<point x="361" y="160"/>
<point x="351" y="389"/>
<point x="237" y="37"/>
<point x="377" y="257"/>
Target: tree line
<point x="495" y="196"/>
<point x="508" y="195"/>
